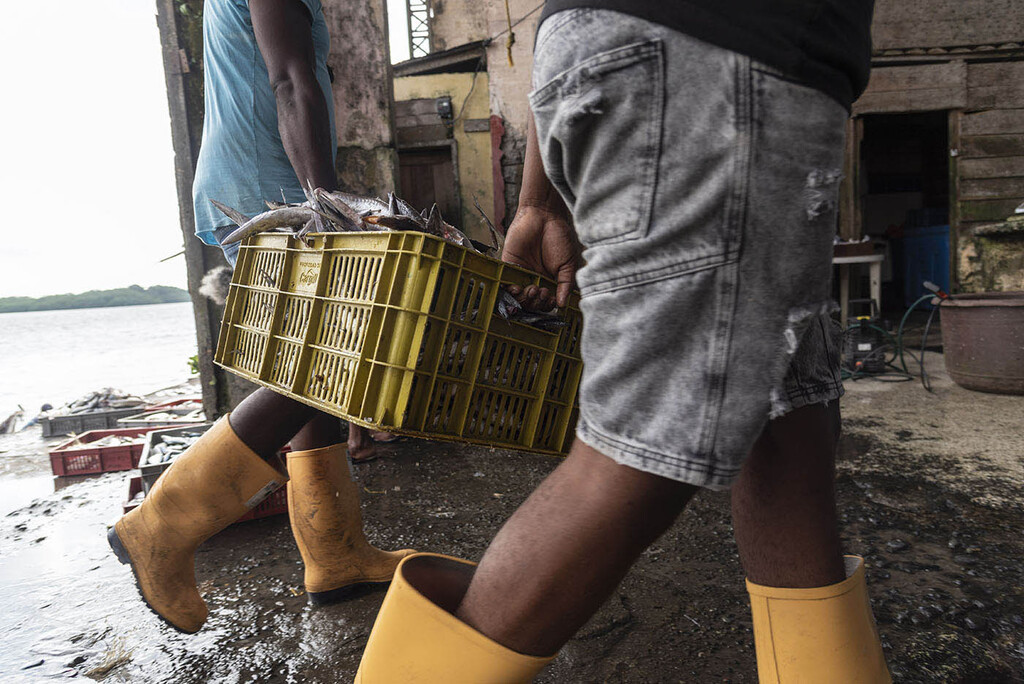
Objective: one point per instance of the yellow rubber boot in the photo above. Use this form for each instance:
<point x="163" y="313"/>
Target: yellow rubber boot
<point x="824" y="634"/>
<point x="323" y="504"/>
<point x="206" y="489"/>
<point x="417" y="639"/>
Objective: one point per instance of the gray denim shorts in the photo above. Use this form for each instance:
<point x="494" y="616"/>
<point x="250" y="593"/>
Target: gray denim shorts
<point x="704" y="188"/>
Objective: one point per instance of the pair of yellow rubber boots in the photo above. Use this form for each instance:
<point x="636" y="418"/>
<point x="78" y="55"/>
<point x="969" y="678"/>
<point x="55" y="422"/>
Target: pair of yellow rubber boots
<point x="824" y="635"/>
<point x="209" y="487"/>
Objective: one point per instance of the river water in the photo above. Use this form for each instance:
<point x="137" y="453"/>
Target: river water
<point x="58" y="356"/>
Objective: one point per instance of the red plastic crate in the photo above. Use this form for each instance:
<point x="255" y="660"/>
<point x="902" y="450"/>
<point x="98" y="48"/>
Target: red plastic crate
<point x="275" y="504"/>
<point x="65" y="461"/>
<point x="134" y="487"/>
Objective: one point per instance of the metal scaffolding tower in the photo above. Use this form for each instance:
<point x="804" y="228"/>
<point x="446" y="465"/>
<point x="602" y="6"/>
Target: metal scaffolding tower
<point x="419" y="27"/>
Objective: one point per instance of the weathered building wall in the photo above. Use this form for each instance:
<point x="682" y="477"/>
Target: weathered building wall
<point x="990" y="185"/>
<point x="461" y="21"/>
<point x="510" y="84"/>
<point x="363" y="100"/>
<point x="473" y="146"/>
<point x="456" y="22"/>
<point x="965" y="58"/>
<point x="366" y="155"/>
<point x="992" y="258"/>
<point x="899" y="24"/>
<point x="985" y="101"/>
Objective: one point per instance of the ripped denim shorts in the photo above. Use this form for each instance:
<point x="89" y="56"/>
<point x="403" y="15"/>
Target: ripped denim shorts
<point x="704" y="189"/>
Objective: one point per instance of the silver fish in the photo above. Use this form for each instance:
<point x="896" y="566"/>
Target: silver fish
<point x="403" y="208"/>
<point x="364" y="206"/>
<point x="238" y="217"/>
<point x="346" y="217"/>
<point x="497" y="239"/>
<point x="437" y="226"/>
<point x="394" y="222"/>
<point x="318" y="216"/>
<point x="434" y="221"/>
<point x="274" y="218"/>
<point x="306" y="228"/>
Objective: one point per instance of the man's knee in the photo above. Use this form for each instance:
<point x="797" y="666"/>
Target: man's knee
<point x="625" y="491"/>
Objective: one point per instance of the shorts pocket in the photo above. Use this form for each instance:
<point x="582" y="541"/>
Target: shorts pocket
<point x="599" y="125"/>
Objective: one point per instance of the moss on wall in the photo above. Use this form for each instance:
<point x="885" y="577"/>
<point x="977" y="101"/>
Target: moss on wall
<point x="992" y="258"/>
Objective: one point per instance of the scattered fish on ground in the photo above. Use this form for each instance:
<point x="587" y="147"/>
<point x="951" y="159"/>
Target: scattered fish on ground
<point x="101" y="400"/>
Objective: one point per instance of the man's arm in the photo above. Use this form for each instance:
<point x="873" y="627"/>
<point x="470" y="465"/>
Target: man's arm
<point x="284" y="34"/>
<point x="540" y="237"/>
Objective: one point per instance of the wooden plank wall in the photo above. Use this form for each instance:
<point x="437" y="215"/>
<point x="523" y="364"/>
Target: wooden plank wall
<point x="914" y="88"/>
<point x="418" y="123"/>
<point x="990" y="153"/>
<point x="945" y="23"/>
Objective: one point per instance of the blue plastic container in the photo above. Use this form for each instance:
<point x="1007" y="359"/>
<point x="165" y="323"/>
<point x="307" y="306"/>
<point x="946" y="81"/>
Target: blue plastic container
<point x="925" y="257"/>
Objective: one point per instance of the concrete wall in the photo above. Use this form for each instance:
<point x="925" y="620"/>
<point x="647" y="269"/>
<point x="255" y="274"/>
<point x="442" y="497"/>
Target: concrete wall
<point x="367" y="161"/>
<point x="456" y="22"/>
<point x="363" y="102"/>
<point x="474" y="148"/>
<point x="510" y="84"/>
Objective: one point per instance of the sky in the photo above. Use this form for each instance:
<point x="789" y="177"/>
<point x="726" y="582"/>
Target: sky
<point x="87" y="165"/>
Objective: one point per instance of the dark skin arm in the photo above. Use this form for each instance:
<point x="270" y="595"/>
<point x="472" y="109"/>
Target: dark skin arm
<point x="284" y="34"/>
<point x="540" y="236"/>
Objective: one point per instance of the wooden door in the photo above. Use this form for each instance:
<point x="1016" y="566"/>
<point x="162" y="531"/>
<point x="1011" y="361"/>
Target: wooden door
<point x="428" y="177"/>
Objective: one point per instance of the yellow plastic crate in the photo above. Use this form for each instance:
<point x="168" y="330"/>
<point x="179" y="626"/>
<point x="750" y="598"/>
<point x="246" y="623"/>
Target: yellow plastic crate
<point x="396" y="331"/>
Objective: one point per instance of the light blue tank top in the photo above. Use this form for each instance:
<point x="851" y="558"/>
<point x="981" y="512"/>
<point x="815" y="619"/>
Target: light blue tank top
<point x="242" y="161"/>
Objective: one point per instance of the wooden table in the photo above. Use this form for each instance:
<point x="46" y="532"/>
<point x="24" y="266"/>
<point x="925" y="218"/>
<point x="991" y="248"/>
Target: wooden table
<point x="874" y="262"/>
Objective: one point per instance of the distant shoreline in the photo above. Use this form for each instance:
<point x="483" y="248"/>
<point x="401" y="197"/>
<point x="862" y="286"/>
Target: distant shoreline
<point x="133" y="295"/>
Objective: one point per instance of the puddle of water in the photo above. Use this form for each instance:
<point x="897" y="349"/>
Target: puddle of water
<point x="18" y="492"/>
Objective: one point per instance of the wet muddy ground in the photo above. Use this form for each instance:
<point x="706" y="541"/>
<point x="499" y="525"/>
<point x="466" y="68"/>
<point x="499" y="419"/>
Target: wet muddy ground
<point x="933" y="503"/>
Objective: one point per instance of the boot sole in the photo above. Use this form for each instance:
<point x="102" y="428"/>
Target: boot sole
<point x="122" y="555"/>
<point x="349" y="591"/>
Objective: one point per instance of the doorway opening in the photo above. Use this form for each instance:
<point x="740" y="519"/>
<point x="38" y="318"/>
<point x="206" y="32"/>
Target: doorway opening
<point x="427" y="176"/>
<point x="904" y="180"/>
